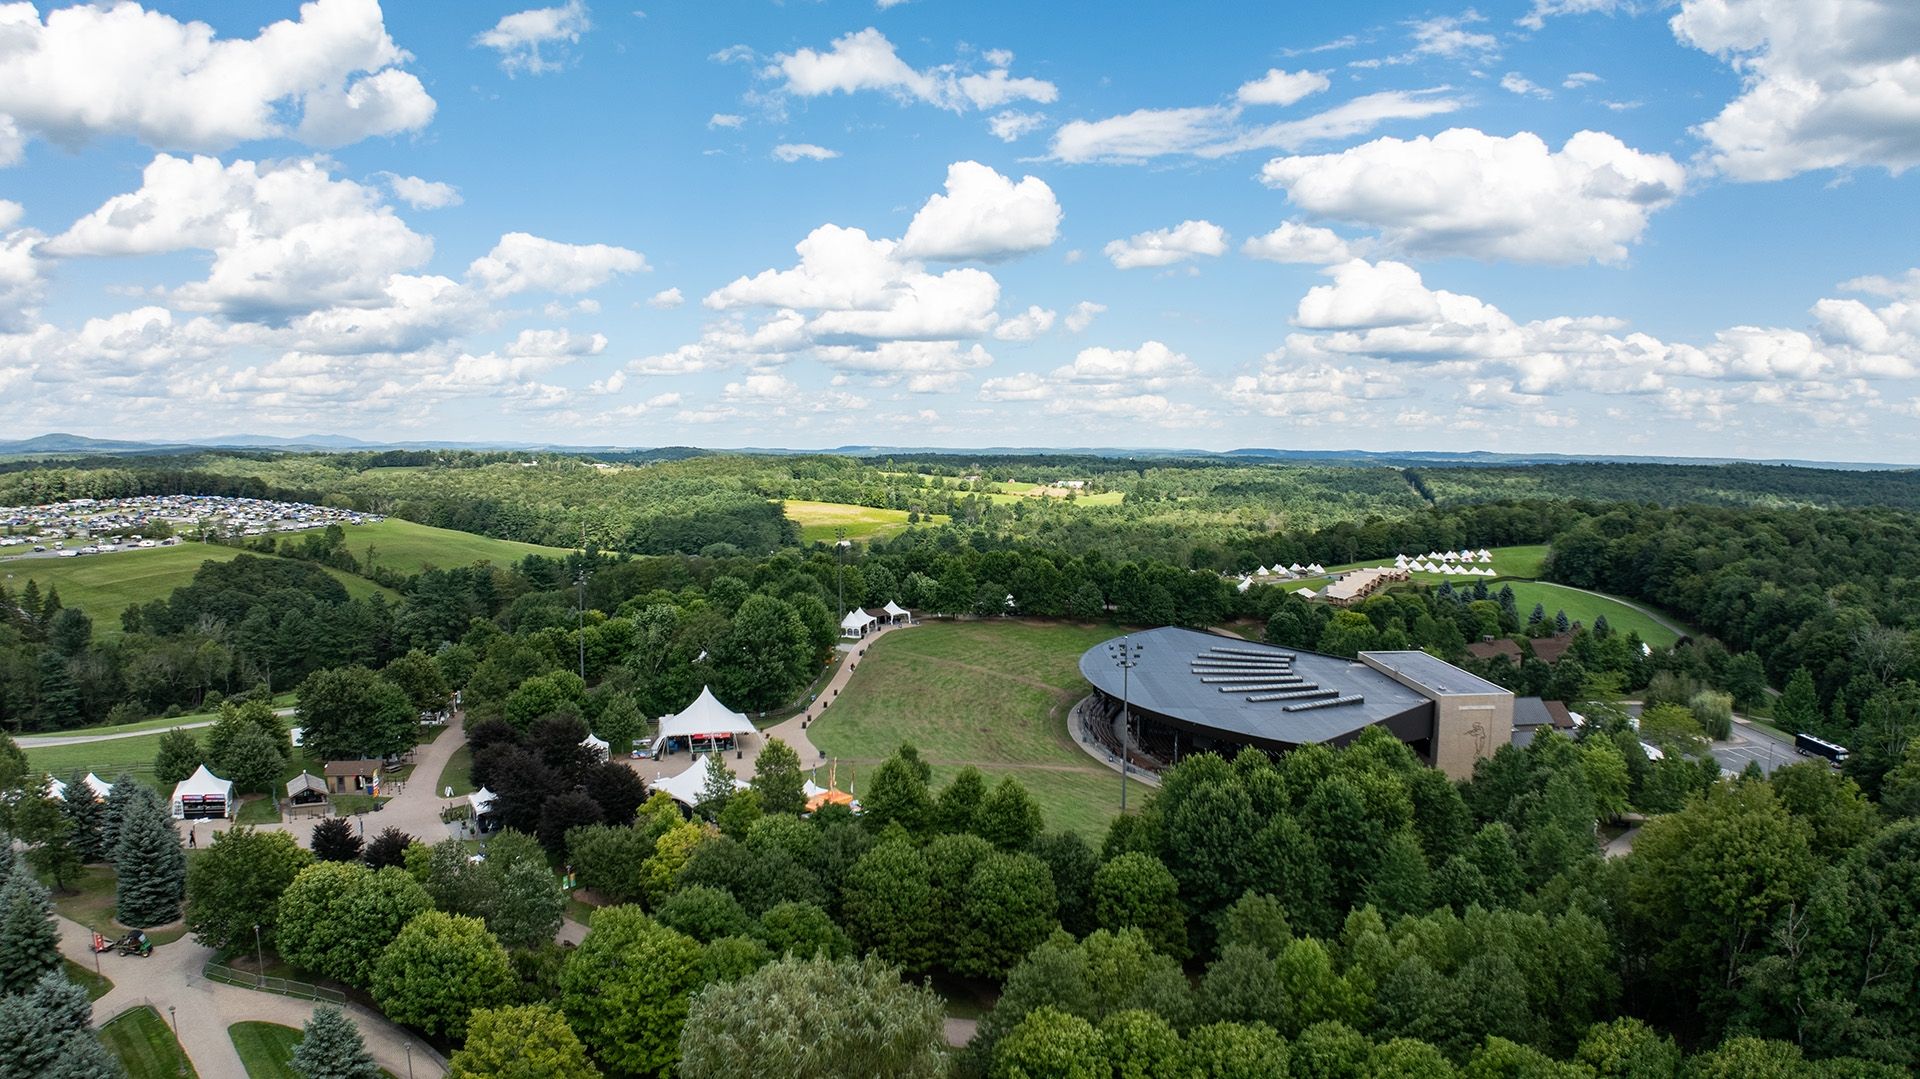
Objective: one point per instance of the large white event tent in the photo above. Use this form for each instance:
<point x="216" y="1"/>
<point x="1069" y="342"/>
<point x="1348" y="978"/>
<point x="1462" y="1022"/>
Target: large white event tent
<point x="895" y="612"/>
<point x="857" y="623"/>
<point x="203" y="795"/>
<point x="705" y="718"/>
<point x="687" y="787"/>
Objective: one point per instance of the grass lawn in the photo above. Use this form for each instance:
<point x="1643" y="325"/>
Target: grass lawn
<point x="283" y="700"/>
<point x="145" y="1044"/>
<point x="105" y="759"/>
<point x="266" y="1049"/>
<point x="994" y="694"/>
<point x="454" y="772"/>
<point x="818" y="520"/>
<point x="1584" y="607"/>
<point x="257" y="809"/>
<point x="103" y="585"/>
<point x="96" y="985"/>
<point x="89" y="900"/>
<point x="408" y="548"/>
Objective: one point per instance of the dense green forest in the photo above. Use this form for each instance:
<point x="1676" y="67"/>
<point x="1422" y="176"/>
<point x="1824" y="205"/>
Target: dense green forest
<point x="1326" y="914"/>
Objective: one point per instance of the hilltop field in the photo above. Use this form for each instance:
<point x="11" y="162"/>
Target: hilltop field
<point x="103" y="585"/>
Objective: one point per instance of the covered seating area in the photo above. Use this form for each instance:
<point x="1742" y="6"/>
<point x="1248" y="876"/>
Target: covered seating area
<point x="705" y="726"/>
<point x="896" y="614"/>
<point x="203" y="796"/>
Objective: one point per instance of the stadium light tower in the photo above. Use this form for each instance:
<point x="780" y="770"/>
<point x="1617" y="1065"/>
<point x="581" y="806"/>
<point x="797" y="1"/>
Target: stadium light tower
<point x="1126" y="656"/>
<point x="840" y="546"/>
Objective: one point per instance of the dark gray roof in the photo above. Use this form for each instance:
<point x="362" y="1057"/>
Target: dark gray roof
<point x="1443" y="679"/>
<point x="1164" y="682"/>
<point x="1531" y="712"/>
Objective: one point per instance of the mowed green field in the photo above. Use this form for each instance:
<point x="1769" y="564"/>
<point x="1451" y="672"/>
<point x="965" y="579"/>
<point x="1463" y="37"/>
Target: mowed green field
<point x="266" y="1049"/>
<point x="993" y="694"/>
<point x="103" y="585"/>
<point x="408" y="548"/>
<point x="819" y="521"/>
<point x="1585" y="607"/>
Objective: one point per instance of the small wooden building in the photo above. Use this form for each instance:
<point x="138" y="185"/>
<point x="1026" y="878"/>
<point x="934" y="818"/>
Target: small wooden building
<point x="353" y="777"/>
<point x="306" y="793"/>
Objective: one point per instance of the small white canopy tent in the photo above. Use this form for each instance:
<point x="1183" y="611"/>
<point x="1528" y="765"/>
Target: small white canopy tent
<point x="599" y="746"/>
<point x="481" y="801"/>
<point x="707" y="718"/>
<point x="857" y="623"/>
<point x="202" y="795"/>
<point x="686" y="787"/>
<point x="895" y="612"/>
<point x="101" y="788"/>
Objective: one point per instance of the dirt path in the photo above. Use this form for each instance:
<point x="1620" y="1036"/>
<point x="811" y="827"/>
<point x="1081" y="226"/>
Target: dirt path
<point x="171" y="978"/>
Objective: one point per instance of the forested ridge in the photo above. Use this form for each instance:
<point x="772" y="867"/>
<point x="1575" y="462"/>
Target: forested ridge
<point x="1327" y="914"/>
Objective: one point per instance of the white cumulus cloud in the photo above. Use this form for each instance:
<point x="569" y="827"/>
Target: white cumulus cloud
<point x="1825" y="83"/>
<point x="1464" y="192"/>
<point x="866" y="61"/>
<point x="423" y="194"/>
<point x="1295" y="242"/>
<point x="1164" y="247"/>
<point x="329" y="78"/>
<point x="519" y="37"/>
<point x="522" y="263"/>
<point x="983" y="215"/>
<point x="1279" y="87"/>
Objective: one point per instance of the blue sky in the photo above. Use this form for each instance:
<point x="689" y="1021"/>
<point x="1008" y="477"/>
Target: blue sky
<point x="1577" y="225"/>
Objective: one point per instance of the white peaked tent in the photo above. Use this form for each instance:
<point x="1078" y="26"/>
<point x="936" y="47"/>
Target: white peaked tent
<point x="481" y="801"/>
<point x="101" y="788"/>
<point x="1262" y="571"/>
<point x="895" y="612"/>
<point x="706" y="717"/>
<point x="599" y="746"/>
<point x="857" y="623"/>
<point x="1486" y="555"/>
<point x="1316" y="568"/>
<point x="202" y="795"/>
<point x="686" y="787"/>
<point x="1245" y="583"/>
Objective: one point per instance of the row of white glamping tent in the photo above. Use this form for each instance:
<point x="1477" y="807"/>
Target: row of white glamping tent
<point x="857" y="623"/>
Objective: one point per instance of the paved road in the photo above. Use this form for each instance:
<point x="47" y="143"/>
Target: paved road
<point x="171" y="978"/>
<point x="46" y="740"/>
<point x="1751" y="744"/>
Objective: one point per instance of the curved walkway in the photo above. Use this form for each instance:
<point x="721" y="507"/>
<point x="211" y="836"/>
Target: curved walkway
<point x="203" y="1010"/>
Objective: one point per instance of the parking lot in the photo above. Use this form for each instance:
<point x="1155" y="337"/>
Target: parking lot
<point x="1751" y="744"/>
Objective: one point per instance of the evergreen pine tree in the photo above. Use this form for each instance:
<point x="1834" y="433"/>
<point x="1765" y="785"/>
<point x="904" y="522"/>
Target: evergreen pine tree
<point x="331" y="1048"/>
<point x="152" y="866"/>
<point x="334" y="841"/>
<point x="30" y="604"/>
<point x="84" y="810"/>
<point x="47" y="1034"/>
<point x="717" y="788"/>
<point x="29" y="941"/>
<point x="1561" y="623"/>
<point x="1798" y="708"/>
<point x="59" y="697"/>
<point x="1538" y="616"/>
<point x="51" y="606"/>
<point x="125" y="789"/>
<point x="1601" y="628"/>
<point x="1480" y="590"/>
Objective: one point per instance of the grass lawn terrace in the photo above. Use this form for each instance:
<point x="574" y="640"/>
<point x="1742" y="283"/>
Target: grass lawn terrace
<point x="266" y="1049"/>
<point x="1584" y="607"/>
<point x="994" y="694"/>
<point x="145" y="1045"/>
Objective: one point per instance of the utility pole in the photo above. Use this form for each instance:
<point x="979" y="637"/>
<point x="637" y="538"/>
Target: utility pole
<point x="840" y="552"/>
<point x="1126" y="656"/>
<point x="580" y="611"/>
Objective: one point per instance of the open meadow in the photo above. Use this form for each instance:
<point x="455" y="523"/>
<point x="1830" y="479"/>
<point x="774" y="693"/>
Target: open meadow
<point x="103" y="585"/>
<point x="993" y="694"/>
<point x="408" y="548"/>
<point x="819" y="521"/>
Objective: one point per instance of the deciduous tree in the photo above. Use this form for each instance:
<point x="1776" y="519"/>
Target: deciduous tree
<point x="815" y="1018"/>
<point x="236" y="885"/>
<point x="525" y="1041"/>
<point x="438" y="970"/>
<point x="626" y="990"/>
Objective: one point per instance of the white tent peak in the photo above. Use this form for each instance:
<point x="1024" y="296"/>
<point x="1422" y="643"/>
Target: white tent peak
<point x="706" y="715"/>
